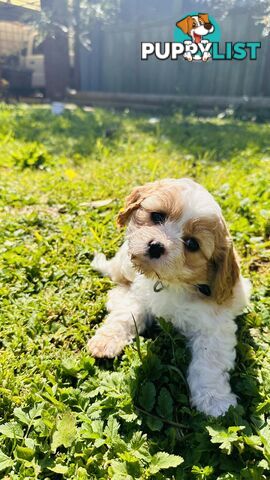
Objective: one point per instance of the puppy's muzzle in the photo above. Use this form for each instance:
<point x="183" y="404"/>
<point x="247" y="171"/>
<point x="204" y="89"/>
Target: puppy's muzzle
<point x="155" y="249"/>
<point x="208" y="26"/>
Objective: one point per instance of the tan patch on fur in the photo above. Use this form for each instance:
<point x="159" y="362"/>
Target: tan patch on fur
<point x="196" y="264"/>
<point x="133" y="202"/>
<point x="227" y="270"/>
<point x="203" y="229"/>
<point x="163" y="196"/>
<point x="220" y="265"/>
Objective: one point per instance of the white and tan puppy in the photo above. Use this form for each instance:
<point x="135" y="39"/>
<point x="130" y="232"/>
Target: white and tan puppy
<point x="178" y="262"/>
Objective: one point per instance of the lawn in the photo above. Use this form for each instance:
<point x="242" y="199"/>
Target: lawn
<point x="63" y="414"/>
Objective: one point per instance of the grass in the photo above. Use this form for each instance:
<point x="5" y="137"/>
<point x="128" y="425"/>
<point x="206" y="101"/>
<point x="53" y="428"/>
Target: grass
<point x="63" y="415"/>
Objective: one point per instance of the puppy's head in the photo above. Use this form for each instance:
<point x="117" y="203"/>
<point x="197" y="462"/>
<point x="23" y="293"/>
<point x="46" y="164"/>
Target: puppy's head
<point x="196" y="25"/>
<point x="176" y="233"/>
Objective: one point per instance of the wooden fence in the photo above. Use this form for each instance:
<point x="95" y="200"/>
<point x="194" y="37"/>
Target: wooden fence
<point x="114" y="63"/>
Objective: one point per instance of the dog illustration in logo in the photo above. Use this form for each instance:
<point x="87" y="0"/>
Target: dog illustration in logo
<point x="196" y="26"/>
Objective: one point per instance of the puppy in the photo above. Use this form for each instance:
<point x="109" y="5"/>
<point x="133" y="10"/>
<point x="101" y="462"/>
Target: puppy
<point x="196" y="26"/>
<point x="178" y="262"/>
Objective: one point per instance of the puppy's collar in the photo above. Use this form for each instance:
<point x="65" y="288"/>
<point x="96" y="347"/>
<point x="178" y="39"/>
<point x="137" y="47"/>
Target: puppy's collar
<point x="203" y="288"/>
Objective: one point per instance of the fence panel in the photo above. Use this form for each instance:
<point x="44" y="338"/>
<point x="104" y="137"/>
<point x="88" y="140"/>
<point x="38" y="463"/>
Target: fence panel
<point x="120" y="68"/>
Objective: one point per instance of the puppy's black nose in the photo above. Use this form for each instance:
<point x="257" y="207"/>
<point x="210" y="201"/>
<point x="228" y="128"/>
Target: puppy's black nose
<point x="208" y="26"/>
<point x="155" y="249"/>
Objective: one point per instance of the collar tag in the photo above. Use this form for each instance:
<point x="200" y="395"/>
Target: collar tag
<point x="158" y="287"/>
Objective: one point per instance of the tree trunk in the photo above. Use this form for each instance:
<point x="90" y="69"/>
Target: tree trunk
<point x="77" y="45"/>
<point x="56" y="51"/>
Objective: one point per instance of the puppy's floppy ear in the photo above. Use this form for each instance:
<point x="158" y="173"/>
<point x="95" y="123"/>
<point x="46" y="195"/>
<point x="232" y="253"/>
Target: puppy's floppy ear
<point x="204" y="17"/>
<point x="185" y="25"/>
<point x="133" y="202"/>
<point x="227" y="270"/>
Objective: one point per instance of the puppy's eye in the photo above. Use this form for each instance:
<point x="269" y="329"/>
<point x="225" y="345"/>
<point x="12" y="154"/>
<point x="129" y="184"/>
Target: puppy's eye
<point x="191" y="244"/>
<point x="158" y="217"/>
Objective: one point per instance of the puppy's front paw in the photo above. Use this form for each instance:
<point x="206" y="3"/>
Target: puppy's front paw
<point x="102" y="345"/>
<point x="216" y="405"/>
<point x="99" y="262"/>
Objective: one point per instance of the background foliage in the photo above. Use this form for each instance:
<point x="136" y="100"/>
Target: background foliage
<point x="260" y="10"/>
<point x="63" y="414"/>
<point x="83" y="13"/>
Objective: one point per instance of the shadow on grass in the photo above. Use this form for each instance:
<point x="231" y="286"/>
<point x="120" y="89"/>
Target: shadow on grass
<point x="74" y="132"/>
<point x="77" y="132"/>
<point x="209" y="138"/>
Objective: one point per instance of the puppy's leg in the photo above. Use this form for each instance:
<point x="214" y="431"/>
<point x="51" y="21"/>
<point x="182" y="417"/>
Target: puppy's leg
<point x="119" y="268"/>
<point x="118" y="329"/>
<point x="213" y="355"/>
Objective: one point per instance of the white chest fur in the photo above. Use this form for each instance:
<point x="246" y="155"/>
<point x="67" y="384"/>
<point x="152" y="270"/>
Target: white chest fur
<point x="186" y="310"/>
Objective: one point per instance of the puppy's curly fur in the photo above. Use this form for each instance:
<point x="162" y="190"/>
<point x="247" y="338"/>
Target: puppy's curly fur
<point x="177" y="236"/>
